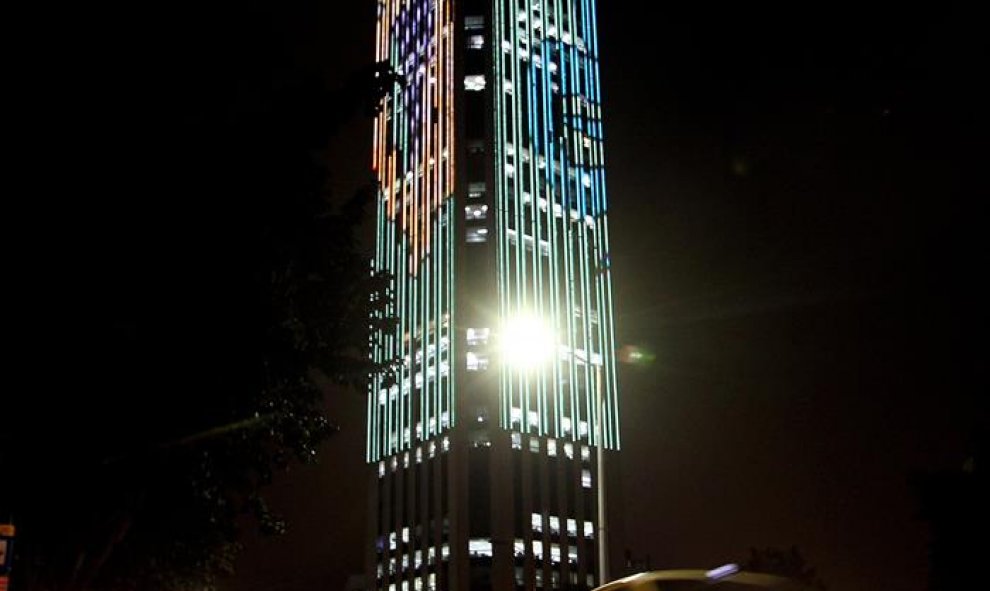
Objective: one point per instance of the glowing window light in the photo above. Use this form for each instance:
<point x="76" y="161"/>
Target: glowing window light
<point x="476" y="212"/>
<point x="476" y="235"/>
<point x="478" y="337"/>
<point x="586" y="478"/>
<point x="475" y="82"/>
<point x="474" y="22"/>
<point x="536" y="522"/>
<point x="476" y="361"/>
<point x="480" y="547"/>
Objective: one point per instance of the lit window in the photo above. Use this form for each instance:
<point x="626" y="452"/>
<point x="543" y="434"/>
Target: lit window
<point x="534" y="445"/>
<point x="474" y="22"/>
<point x="392" y="541"/>
<point x="480" y="547"/>
<point x="516" y="441"/>
<point x="510" y="170"/>
<point x="476" y="42"/>
<point x="476" y="361"/>
<point x="476" y="190"/>
<point x="405" y="585"/>
<point x="539" y="576"/>
<point x="520" y="577"/>
<point x="418" y="584"/>
<point x="446" y="444"/>
<point x="552" y="447"/>
<point x="476" y="212"/>
<point x="538" y="550"/>
<point x="418" y="560"/>
<point x="554" y="525"/>
<point x="477" y="235"/>
<point x="555" y="553"/>
<point x="589" y="530"/>
<point x="431" y="555"/>
<point x="519" y="548"/>
<point x="478" y="337"/>
<point x="480" y="439"/>
<point x="431" y="582"/>
<point x="586" y="478"/>
<point x="445" y="552"/>
<point x="572" y="528"/>
<point x="572" y="554"/>
<point x="568" y="447"/>
<point x="536" y="521"/>
<point x="585" y="451"/>
<point x="474" y="82"/>
<point x="381" y="469"/>
<point x="405" y="535"/>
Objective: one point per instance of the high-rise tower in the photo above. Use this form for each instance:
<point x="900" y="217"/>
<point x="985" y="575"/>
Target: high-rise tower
<point x="491" y="227"/>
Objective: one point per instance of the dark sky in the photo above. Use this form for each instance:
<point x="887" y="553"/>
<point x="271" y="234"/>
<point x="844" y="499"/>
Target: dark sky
<point x="797" y="205"/>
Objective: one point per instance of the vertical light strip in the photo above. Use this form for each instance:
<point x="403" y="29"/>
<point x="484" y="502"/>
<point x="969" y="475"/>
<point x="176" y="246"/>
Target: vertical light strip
<point x="547" y="97"/>
<point x="413" y="158"/>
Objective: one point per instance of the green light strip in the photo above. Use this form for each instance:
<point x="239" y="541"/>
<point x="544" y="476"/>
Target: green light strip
<point x="571" y="276"/>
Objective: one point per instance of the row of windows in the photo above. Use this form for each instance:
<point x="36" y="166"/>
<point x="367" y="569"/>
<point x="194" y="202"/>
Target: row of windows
<point x="417" y="455"/>
<point x="535" y="446"/>
<point x="553" y="525"/>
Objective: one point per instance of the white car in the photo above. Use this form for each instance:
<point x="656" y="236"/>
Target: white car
<point x="727" y="578"/>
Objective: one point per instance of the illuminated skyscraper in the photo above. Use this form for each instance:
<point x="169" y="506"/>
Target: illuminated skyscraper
<point x="492" y="209"/>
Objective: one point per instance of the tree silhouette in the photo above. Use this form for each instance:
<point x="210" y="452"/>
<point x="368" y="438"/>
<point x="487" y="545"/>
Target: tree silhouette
<point x="213" y="283"/>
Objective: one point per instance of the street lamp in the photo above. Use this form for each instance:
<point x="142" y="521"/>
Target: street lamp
<point x="526" y="343"/>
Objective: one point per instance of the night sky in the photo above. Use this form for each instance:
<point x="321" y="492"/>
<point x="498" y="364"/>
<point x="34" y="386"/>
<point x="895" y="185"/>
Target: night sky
<point x="797" y="199"/>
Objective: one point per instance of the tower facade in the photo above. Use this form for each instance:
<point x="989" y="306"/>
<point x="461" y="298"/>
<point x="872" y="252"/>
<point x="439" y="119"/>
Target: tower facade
<point x="493" y="330"/>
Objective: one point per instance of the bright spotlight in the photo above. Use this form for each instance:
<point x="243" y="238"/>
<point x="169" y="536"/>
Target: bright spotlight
<point x="526" y="342"/>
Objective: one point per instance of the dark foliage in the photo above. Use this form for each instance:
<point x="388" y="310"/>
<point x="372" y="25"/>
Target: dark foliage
<point x="204" y="285"/>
